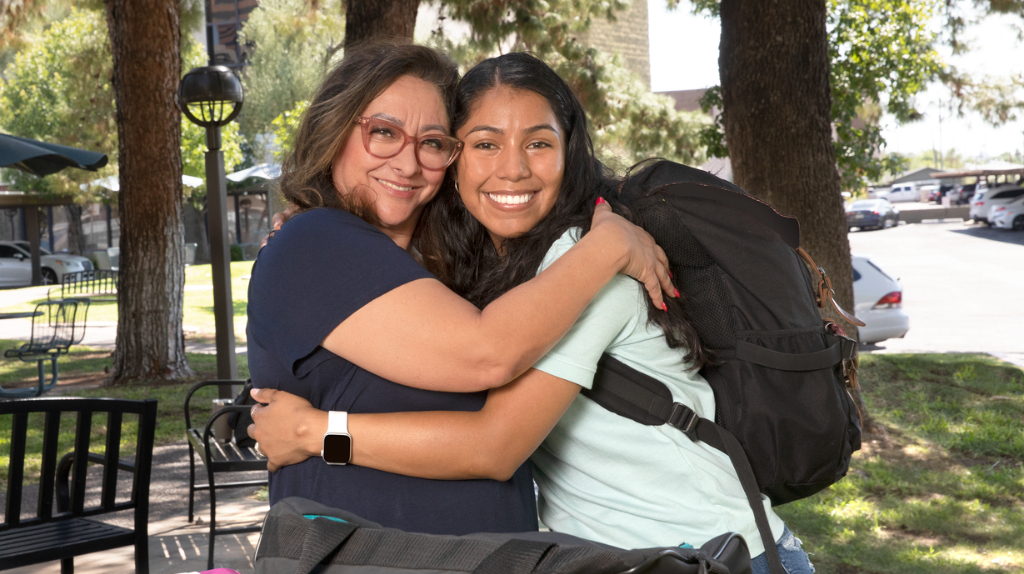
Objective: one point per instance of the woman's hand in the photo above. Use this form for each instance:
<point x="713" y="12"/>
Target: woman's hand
<point x="287" y="427"/>
<point x="645" y="261"/>
<point x="278" y="220"/>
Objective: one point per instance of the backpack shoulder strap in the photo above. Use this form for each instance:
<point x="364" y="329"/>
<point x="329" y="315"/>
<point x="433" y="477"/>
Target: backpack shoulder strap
<point x="627" y="392"/>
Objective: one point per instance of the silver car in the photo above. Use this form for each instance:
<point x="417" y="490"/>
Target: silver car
<point x="878" y="301"/>
<point x="16" y="264"/>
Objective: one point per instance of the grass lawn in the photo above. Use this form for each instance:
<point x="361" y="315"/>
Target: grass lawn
<point x="198" y="317"/>
<point x="942" y="492"/>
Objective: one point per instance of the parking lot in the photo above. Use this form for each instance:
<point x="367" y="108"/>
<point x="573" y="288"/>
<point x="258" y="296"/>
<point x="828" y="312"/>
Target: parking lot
<point x="963" y="286"/>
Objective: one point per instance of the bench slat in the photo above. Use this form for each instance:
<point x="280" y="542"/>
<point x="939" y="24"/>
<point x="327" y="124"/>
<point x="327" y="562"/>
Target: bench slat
<point x="16" y="472"/>
<point x="53" y="533"/>
<point x="111" y="454"/>
<point x="227" y="457"/>
<point x="48" y="468"/>
<point x="83" y="430"/>
<point x="62" y="539"/>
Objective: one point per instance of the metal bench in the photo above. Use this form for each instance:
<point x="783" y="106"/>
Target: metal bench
<point x="70" y="531"/>
<point x="56" y="325"/>
<point x="219" y="457"/>
<point x="99" y="286"/>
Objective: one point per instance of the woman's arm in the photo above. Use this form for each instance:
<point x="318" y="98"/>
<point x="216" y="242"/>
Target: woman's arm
<point x="423" y="335"/>
<point x="490" y="443"/>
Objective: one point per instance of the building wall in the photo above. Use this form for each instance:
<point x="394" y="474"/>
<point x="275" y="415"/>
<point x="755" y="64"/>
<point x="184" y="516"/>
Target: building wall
<point x="628" y="36"/>
<point x="689" y="100"/>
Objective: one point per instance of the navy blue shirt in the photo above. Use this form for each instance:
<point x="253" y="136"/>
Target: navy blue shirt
<point x="319" y="268"/>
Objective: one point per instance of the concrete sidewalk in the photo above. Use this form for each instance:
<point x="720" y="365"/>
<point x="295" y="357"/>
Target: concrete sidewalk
<point x="99" y="335"/>
<point x="176" y="547"/>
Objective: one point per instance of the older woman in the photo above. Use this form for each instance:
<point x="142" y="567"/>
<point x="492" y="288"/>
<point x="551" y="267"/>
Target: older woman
<point x="526" y="183"/>
<point x="341" y="314"/>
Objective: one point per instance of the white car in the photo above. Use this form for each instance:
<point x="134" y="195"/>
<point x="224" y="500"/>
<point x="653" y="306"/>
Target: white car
<point x="903" y="192"/>
<point x="878" y="301"/>
<point x="1010" y="216"/>
<point x="16" y="264"/>
<point x="985" y="201"/>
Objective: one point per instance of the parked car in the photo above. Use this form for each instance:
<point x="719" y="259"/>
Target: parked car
<point x="16" y="264"/>
<point x="902" y="192"/>
<point x="987" y="199"/>
<point x="878" y="301"/>
<point x="962" y="194"/>
<point x="871" y="214"/>
<point x="1009" y="216"/>
<point x="878" y="192"/>
<point x="938" y="193"/>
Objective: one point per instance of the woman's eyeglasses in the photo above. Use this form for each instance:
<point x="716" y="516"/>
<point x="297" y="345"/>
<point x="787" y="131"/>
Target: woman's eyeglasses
<point x="385" y="139"/>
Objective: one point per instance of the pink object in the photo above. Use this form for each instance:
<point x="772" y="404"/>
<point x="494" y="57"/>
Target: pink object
<point x="220" y="571"/>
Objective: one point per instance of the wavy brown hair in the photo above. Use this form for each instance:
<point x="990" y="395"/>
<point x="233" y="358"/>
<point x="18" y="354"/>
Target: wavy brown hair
<point x="362" y="75"/>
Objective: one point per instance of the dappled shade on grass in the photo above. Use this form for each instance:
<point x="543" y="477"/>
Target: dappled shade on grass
<point x="944" y="490"/>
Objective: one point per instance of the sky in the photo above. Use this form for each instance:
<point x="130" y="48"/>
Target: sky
<point x="684" y="55"/>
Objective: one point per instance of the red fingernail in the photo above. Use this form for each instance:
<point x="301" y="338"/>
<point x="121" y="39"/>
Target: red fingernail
<point x="664" y="307"/>
<point x="677" y="293"/>
<point x="670" y="275"/>
<point x="600" y="200"/>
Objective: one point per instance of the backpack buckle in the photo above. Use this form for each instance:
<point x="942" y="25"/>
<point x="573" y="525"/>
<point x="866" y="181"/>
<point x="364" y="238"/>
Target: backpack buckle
<point x="683" y="418"/>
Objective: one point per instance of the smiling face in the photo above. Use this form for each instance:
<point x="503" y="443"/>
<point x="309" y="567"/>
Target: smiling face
<point x="397" y="187"/>
<point x="511" y="167"/>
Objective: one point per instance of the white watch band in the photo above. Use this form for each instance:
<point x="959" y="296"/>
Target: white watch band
<point x="337" y="436"/>
<point x="337" y="422"/>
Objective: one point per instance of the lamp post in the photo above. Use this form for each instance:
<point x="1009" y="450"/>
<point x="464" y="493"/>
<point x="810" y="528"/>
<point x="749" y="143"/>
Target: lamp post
<point x="211" y="97"/>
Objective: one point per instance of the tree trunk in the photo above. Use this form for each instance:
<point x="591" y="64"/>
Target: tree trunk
<point x="375" y="19"/>
<point x="144" y="39"/>
<point x="774" y="66"/>
<point x="76" y="235"/>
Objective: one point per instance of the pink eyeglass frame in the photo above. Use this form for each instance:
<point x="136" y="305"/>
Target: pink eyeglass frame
<point x="365" y="126"/>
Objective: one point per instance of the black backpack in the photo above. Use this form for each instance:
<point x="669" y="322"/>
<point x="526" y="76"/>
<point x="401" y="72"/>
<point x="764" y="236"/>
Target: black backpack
<point x="784" y="414"/>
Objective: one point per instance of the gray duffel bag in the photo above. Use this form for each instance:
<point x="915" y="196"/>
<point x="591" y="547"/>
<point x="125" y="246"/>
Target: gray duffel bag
<point x="300" y="536"/>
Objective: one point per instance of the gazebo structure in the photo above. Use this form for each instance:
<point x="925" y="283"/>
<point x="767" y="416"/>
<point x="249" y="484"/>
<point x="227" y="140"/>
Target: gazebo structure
<point x="30" y="202"/>
<point x="991" y="175"/>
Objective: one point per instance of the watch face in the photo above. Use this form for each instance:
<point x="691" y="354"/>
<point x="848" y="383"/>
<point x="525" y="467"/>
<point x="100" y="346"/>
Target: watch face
<point x="337" y="448"/>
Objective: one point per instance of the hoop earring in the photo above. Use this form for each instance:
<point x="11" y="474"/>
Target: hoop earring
<point x="456" y="187"/>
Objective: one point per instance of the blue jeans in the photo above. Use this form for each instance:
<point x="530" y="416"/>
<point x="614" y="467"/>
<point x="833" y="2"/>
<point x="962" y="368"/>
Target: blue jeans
<point x="794" y="559"/>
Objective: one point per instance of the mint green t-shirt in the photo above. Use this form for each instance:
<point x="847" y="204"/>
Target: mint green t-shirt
<point x="610" y="479"/>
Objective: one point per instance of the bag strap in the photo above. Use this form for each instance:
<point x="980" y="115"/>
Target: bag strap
<point x="615" y="386"/>
<point x="514" y="557"/>
<point x="323" y="537"/>
<point x="829" y="357"/>
<point x="825" y="293"/>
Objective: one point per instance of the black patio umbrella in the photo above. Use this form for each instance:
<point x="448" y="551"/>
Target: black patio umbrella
<point x="41" y="158"/>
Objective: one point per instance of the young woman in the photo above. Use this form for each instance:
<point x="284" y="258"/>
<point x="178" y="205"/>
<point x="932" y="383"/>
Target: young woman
<point x="526" y="183"/>
<point x="342" y="315"/>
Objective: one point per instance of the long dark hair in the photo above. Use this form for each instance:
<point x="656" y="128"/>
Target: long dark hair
<point x="457" y="247"/>
<point x="362" y="75"/>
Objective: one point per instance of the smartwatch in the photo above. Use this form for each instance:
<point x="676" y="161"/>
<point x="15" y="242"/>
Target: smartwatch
<point x="337" y="447"/>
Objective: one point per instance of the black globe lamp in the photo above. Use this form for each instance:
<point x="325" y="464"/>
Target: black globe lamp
<point x="212" y="97"/>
